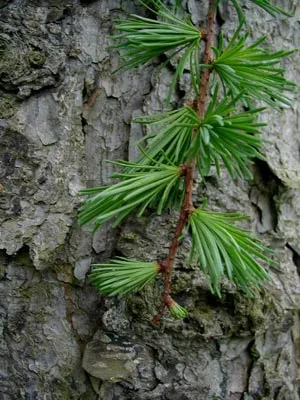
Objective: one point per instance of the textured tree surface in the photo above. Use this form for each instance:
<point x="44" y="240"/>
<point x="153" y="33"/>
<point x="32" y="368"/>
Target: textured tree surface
<point x="63" y="113"/>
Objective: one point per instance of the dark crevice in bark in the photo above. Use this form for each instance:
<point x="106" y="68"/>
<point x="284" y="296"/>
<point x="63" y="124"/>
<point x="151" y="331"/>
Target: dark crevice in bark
<point x="4" y="259"/>
<point x="264" y="175"/>
<point x="258" y="212"/>
<point x="296" y="257"/>
<point x="4" y="3"/>
<point x="269" y="185"/>
<point x="87" y="2"/>
<point x="219" y="20"/>
<point x="83" y="119"/>
<point x="84" y="123"/>
<point x="20" y="258"/>
<point x="250" y="366"/>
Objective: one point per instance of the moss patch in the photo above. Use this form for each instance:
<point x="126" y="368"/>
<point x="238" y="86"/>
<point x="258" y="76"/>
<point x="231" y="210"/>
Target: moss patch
<point x="8" y="105"/>
<point x="36" y="58"/>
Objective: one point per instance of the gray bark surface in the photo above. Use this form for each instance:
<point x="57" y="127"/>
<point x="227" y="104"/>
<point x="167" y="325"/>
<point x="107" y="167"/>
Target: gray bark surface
<point x="62" y="114"/>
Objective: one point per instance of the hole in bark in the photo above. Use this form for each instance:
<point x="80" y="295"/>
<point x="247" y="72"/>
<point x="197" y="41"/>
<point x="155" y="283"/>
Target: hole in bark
<point x="276" y="393"/>
<point x="258" y="212"/>
<point x="3" y="258"/>
<point x="83" y="124"/>
<point x="219" y="19"/>
<point x="296" y="257"/>
<point x="268" y="184"/>
<point x="87" y="2"/>
<point x="265" y="176"/>
<point x="22" y="257"/>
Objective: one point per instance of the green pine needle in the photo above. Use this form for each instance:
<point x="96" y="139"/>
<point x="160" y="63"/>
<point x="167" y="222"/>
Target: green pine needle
<point x="177" y="311"/>
<point x="252" y="69"/>
<point x="222" y="248"/>
<point x="170" y="137"/>
<point x="177" y="5"/>
<point x="142" y="39"/>
<point x="266" y="5"/>
<point x="270" y="8"/>
<point x="156" y="185"/>
<point x="222" y="135"/>
<point x="226" y="136"/>
<point x="247" y="72"/>
<point x="122" y="276"/>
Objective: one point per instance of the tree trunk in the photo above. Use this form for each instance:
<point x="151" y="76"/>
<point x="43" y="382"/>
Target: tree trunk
<point x="63" y="114"/>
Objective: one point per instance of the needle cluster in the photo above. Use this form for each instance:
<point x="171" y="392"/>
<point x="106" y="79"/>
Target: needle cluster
<point x="222" y="131"/>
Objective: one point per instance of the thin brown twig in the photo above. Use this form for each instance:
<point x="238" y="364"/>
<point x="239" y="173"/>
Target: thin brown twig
<point x="189" y="169"/>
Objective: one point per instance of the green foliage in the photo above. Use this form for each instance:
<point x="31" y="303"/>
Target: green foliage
<point x="143" y="39"/>
<point x="171" y="136"/>
<point x="252" y="69"/>
<point x="122" y="276"/>
<point x="158" y="185"/>
<point x="177" y="311"/>
<point x="226" y="136"/>
<point x="221" y="135"/>
<point x="222" y="248"/>
<point x="271" y="8"/>
<point x="266" y="5"/>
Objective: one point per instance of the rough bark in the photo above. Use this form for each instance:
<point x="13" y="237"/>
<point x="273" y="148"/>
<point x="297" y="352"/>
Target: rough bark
<point x="63" y="113"/>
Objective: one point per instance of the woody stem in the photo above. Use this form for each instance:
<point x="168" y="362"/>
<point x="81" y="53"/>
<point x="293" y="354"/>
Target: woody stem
<point x="189" y="169"/>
